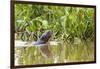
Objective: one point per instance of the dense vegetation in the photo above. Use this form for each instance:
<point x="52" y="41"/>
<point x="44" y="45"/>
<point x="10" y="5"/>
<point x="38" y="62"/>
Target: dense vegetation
<point x="73" y="26"/>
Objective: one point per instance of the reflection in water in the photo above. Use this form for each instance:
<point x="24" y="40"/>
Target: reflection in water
<point x="45" y="51"/>
<point x="61" y="53"/>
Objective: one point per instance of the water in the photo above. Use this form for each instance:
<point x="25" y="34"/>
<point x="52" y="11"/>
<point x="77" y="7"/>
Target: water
<point x="62" y="53"/>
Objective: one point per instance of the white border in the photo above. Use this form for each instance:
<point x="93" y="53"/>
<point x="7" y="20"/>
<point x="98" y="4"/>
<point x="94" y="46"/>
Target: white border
<point x="5" y="34"/>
